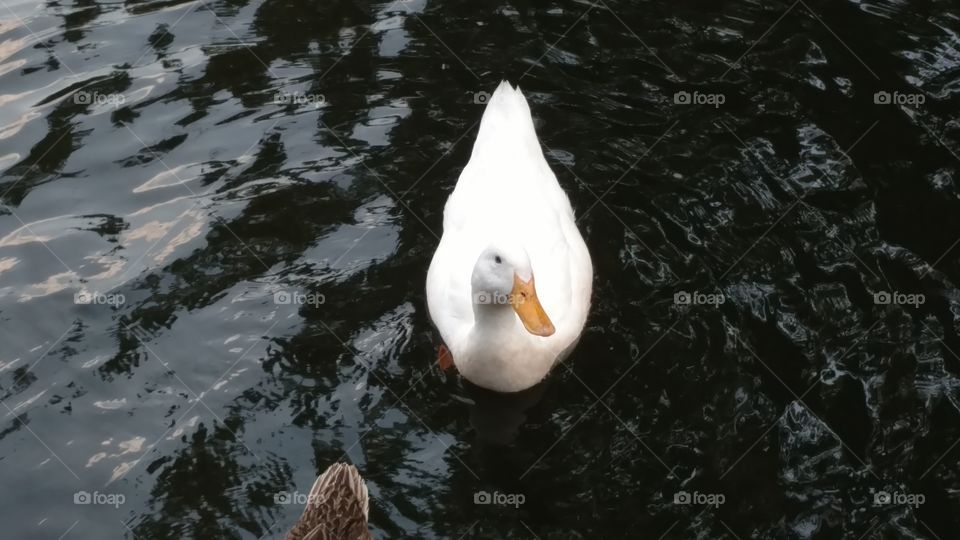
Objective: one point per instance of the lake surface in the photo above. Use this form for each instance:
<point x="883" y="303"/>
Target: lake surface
<point x="217" y="219"/>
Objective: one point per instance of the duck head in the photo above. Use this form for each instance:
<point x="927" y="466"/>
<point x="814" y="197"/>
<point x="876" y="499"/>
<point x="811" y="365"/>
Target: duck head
<point x="503" y="280"/>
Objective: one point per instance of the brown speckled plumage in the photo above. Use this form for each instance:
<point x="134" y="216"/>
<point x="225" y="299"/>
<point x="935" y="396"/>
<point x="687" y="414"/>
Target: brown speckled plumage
<point x="337" y="507"/>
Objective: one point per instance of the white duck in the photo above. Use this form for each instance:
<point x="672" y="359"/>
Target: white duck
<point x="506" y="223"/>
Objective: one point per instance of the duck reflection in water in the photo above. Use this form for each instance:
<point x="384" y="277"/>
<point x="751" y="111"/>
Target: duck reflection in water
<point x="496" y="416"/>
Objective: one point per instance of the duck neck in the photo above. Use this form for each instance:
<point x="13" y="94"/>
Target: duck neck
<point x="492" y="320"/>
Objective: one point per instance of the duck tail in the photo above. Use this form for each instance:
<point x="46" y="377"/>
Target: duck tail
<point x="507" y="121"/>
<point x="340" y="478"/>
<point x="338" y="507"/>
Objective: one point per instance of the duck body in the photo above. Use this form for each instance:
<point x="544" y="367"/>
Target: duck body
<point x="337" y="507"/>
<point x="508" y="206"/>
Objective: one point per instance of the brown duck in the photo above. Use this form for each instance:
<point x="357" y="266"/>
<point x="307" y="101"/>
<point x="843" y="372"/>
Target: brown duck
<point x="337" y="507"/>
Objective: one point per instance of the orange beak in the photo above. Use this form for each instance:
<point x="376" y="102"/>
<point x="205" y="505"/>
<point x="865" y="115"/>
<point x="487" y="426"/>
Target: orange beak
<point x="528" y="308"/>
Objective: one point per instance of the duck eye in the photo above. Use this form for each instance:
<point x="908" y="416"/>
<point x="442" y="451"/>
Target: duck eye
<point x="498" y="259"/>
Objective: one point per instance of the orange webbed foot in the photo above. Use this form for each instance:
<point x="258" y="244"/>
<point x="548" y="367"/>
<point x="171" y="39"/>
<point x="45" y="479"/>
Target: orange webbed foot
<point x="444" y="358"/>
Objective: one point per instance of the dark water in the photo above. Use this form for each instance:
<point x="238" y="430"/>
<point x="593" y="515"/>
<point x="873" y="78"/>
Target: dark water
<point x="177" y="160"/>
